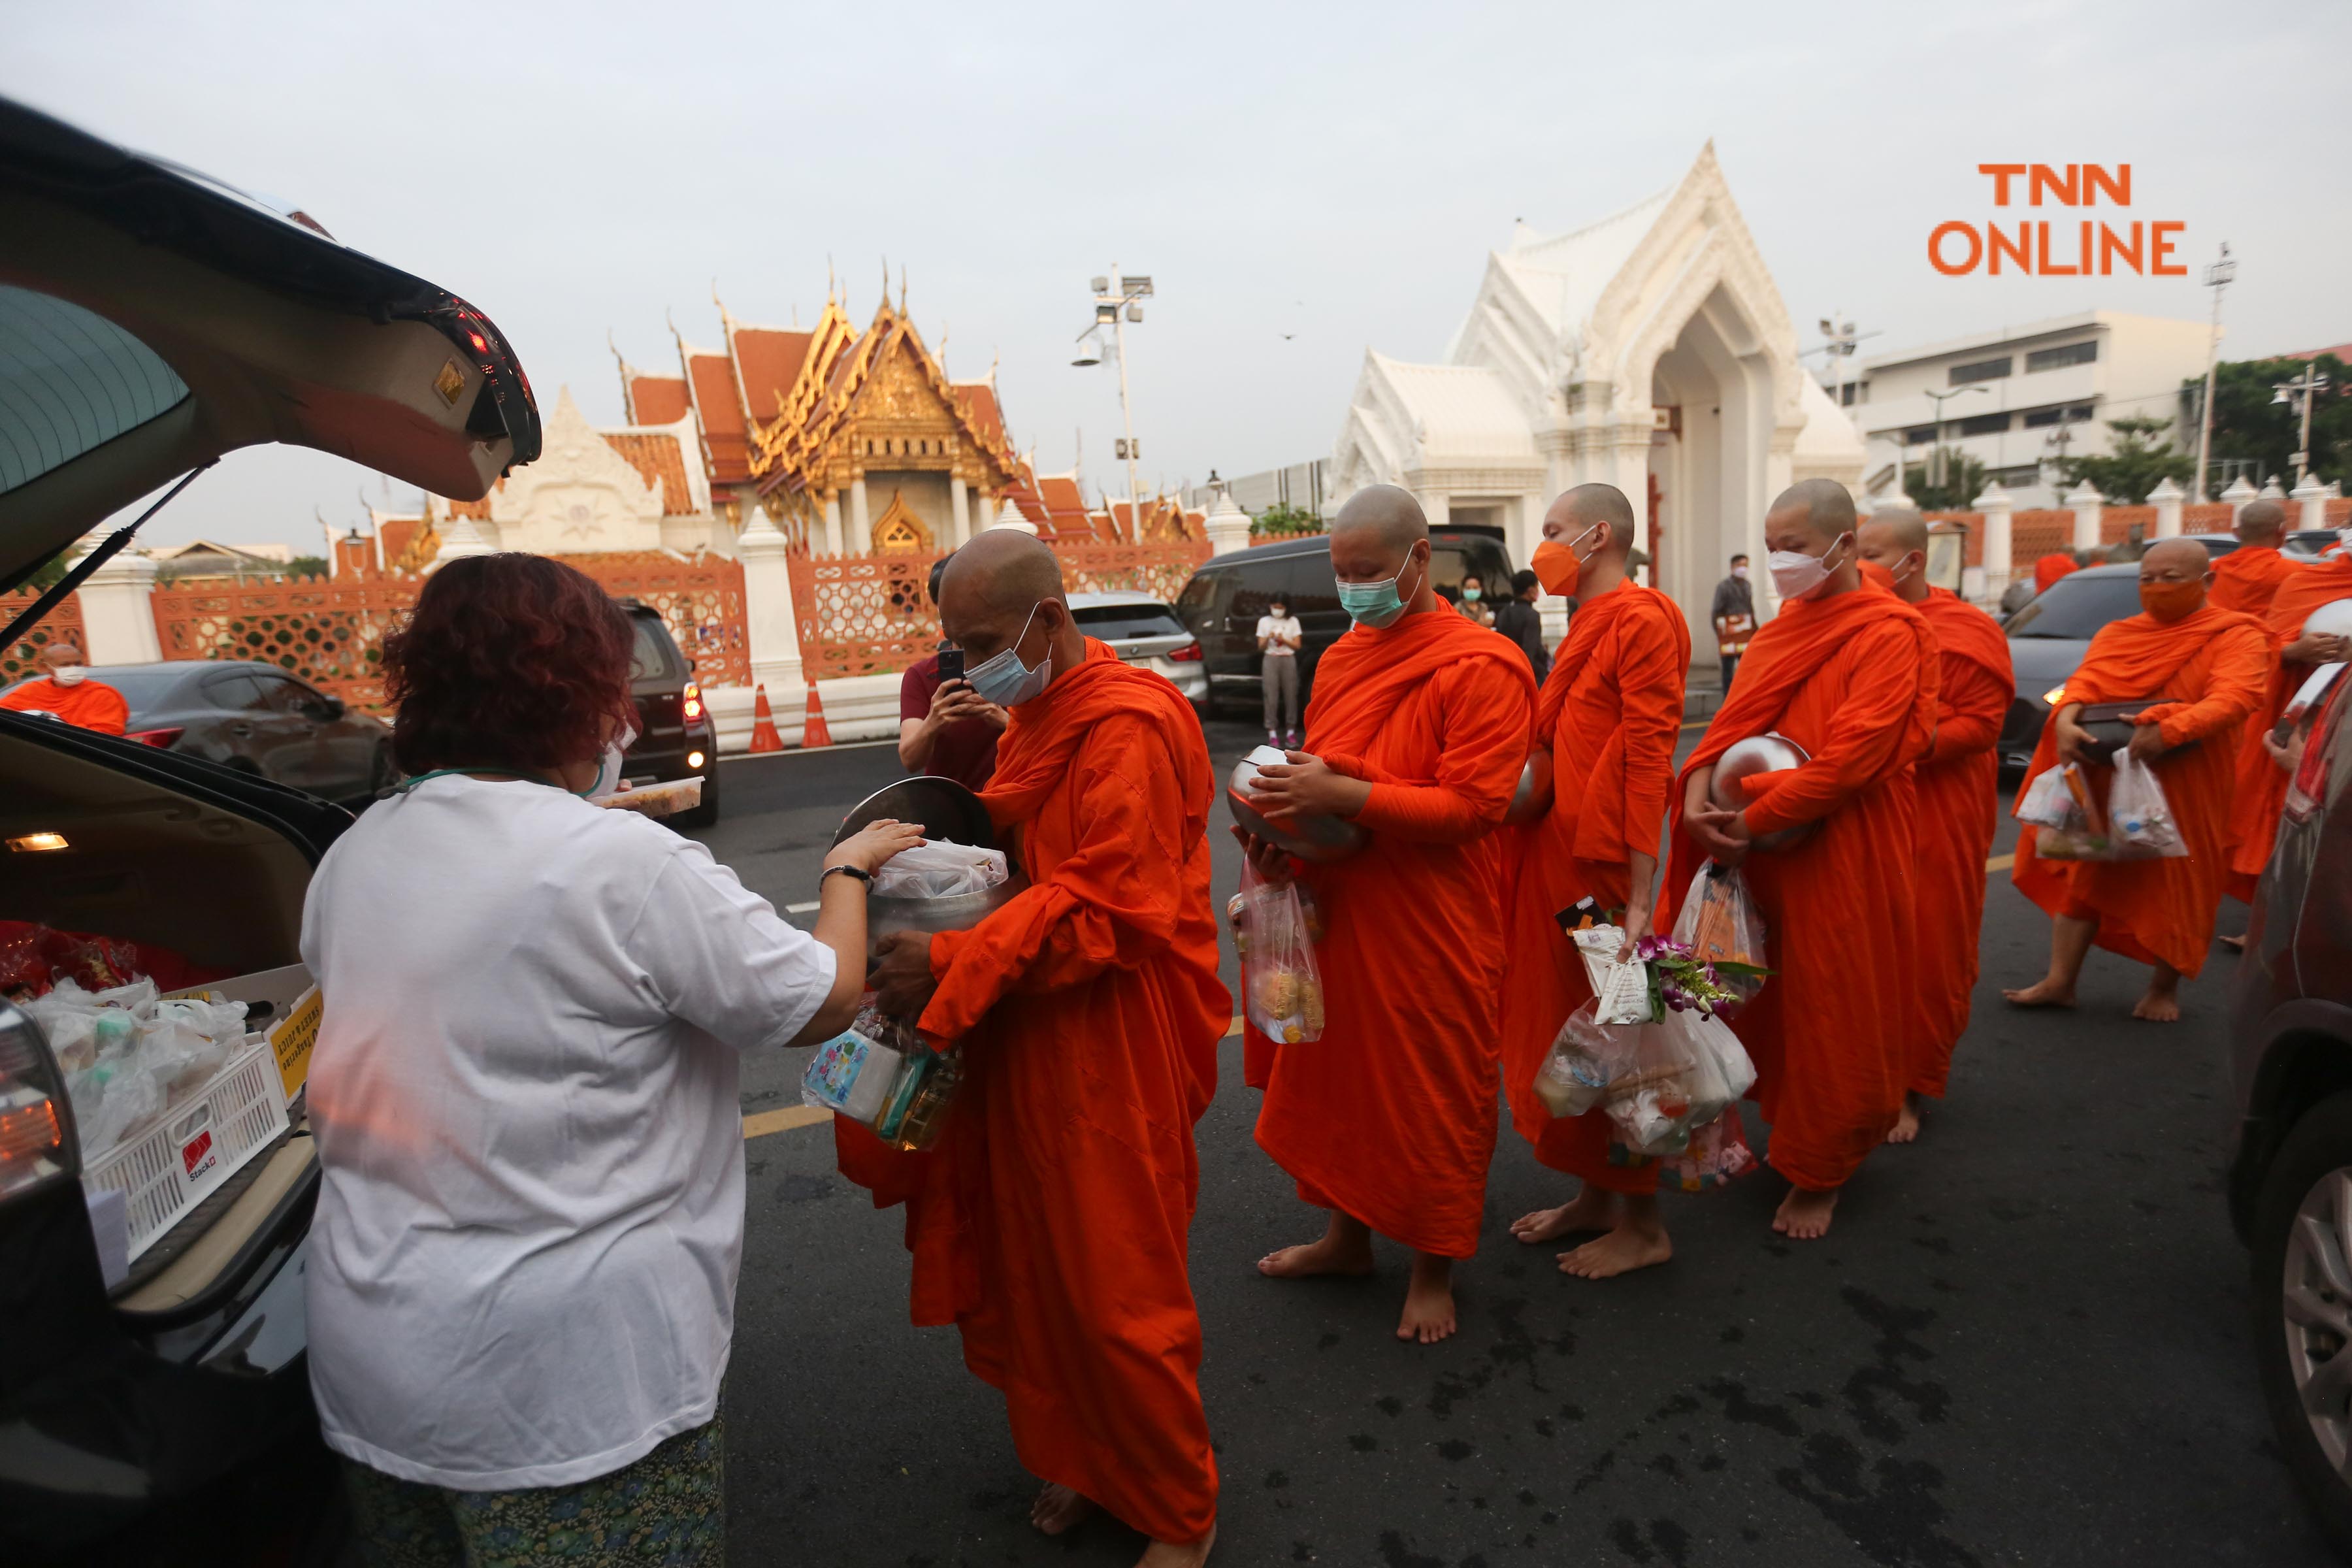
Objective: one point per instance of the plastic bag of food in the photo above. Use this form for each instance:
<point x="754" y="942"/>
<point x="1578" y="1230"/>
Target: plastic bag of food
<point x="2048" y="802"/>
<point x="852" y="1074"/>
<point x="1653" y="1102"/>
<point x="937" y="869"/>
<point x="1585" y="1056"/>
<point x="1279" y="974"/>
<point x="1720" y="924"/>
<point x="128" y="1057"/>
<point x="2139" y="817"/>
<point x="1719" y="1153"/>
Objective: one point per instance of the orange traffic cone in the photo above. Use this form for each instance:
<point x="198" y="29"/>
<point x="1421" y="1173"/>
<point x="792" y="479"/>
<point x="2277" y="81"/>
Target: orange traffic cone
<point x="813" y="728"/>
<point x="763" y="726"/>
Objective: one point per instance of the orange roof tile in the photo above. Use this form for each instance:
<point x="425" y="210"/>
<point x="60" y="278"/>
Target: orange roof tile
<point x="478" y="509"/>
<point x="768" y="362"/>
<point x="715" y="400"/>
<point x="657" y="399"/>
<point x="657" y="458"/>
<point x="396" y="533"/>
<point x="980" y="406"/>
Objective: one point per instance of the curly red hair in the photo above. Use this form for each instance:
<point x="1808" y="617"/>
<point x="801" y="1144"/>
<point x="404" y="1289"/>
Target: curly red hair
<point x="509" y="661"/>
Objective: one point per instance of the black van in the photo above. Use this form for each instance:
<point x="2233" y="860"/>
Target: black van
<point x="675" y="736"/>
<point x="1222" y="602"/>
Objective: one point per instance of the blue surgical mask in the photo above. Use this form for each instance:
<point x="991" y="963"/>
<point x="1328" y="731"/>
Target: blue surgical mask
<point x="1004" y="680"/>
<point x="1374" y="604"/>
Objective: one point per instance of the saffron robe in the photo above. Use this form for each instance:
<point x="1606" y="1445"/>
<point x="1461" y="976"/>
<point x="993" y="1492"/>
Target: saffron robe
<point x="1049" y="1223"/>
<point x="2247" y="579"/>
<point x="87" y="704"/>
<point x="2261" y="791"/>
<point x="2211" y="664"/>
<point x="1609" y="715"/>
<point x="1851" y="679"/>
<point x="2050" y="568"/>
<point x="1958" y="786"/>
<point x="1391" y="1117"/>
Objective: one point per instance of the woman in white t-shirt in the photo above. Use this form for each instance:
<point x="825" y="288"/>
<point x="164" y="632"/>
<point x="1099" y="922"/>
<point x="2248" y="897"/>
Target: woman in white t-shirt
<point x="521" y="1281"/>
<point x="1278" y="640"/>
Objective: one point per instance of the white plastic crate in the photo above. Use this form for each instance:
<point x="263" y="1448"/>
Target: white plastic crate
<point x="201" y="1143"/>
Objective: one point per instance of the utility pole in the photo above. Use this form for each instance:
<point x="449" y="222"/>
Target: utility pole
<point x="2217" y="277"/>
<point x="2303" y="389"/>
<point x="2061" y="438"/>
<point x="1118" y="300"/>
<point x="1936" y="460"/>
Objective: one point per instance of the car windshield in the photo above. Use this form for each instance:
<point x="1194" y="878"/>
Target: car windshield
<point x="651" y="659"/>
<point x="70" y="381"/>
<point x="2074" y="608"/>
<point x="143" y="689"/>
<point x="1114" y="622"/>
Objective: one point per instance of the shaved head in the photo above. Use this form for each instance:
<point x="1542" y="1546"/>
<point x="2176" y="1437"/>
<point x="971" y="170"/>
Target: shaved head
<point x="2262" y="523"/>
<point x="1004" y="568"/>
<point x="1899" y="526"/>
<point x="2178" y="558"/>
<point x="1888" y="539"/>
<point x="1577" y="510"/>
<point x="61" y="652"/>
<point x="1384" y="513"/>
<point x="1822" y="507"/>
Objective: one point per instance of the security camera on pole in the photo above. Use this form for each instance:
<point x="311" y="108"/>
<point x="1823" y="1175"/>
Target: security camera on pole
<point x="1118" y="299"/>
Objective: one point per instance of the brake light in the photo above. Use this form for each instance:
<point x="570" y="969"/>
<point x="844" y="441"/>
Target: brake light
<point x="37" y="1142"/>
<point x="2307" y="791"/>
<point x="1188" y="654"/>
<point x="693" y="701"/>
<point x="162" y="739"/>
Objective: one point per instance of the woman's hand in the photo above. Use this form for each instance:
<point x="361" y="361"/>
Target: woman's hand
<point x="872" y="847"/>
<point x="1306" y="782"/>
<point x="901" y="976"/>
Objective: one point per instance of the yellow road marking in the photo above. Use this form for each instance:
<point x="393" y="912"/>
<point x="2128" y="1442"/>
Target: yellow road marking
<point x="1999" y="863"/>
<point x="784" y="1120"/>
<point x="1234" y="1030"/>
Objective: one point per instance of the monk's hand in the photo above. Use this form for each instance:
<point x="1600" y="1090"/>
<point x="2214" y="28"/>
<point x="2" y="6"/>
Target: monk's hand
<point x="2072" y="742"/>
<point x="1307" y="784"/>
<point x="1722" y="834"/>
<point x="2318" y="648"/>
<point x="901" y="976"/>
<point x="2286" y="754"/>
<point x="1635" y="924"/>
<point x="2147" y="742"/>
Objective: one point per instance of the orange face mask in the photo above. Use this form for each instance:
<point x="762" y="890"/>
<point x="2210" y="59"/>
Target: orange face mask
<point x="1557" y="565"/>
<point x="2172" y="600"/>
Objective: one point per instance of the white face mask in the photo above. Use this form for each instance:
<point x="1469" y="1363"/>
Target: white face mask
<point x="608" y="769"/>
<point x="1740" y="571"/>
<point x="69" y="674"/>
<point x="1796" y="575"/>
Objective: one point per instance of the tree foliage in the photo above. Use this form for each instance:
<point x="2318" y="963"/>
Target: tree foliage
<point x="1962" y="480"/>
<point x="1283" y="521"/>
<point x="307" y="566"/>
<point x="2249" y="423"/>
<point x="2142" y="459"/>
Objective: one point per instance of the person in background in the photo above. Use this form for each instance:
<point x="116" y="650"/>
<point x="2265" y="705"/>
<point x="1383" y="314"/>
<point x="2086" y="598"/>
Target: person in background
<point x="1474" y="606"/>
<point x="946" y="729"/>
<point x="1278" y="641"/>
<point x="69" y="694"/>
<point x="1734" y="615"/>
<point x="2049" y="568"/>
<point x="521" y="1280"/>
<point x="1517" y="618"/>
<point x="2248" y="577"/>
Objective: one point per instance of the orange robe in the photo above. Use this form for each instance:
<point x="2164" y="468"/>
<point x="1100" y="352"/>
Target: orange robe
<point x="87" y="704"/>
<point x="1851" y="679"/>
<point x="1049" y="1223"/>
<point x="1609" y="715"/>
<point x="1390" y="1116"/>
<point x="1958" y="787"/>
<point x="2212" y="665"/>
<point x="2260" y="790"/>
<point x="2247" y="579"/>
<point x="2050" y="568"/>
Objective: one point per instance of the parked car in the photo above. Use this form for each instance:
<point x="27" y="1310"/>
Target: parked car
<point x="675" y="736"/>
<point x="256" y="718"/>
<point x="168" y="1419"/>
<point x="1143" y="630"/>
<point x="1222" y="602"/>
<point x="2290" y="1180"/>
<point x="2311" y="544"/>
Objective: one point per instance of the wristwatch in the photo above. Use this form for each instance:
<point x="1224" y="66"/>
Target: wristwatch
<point x="866" y="877"/>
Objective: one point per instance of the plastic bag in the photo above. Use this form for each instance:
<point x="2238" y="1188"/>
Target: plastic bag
<point x="1585" y="1056"/>
<point x="2051" y="800"/>
<point x="1620" y="990"/>
<point x="937" y="869"/>
<point x="1720" y="924"/>
<point x="880" y="1073"/>
<point x="2139" y="817"/>
<point x="128" y="1057"/>
<point x="1652" y="1104"/>
<point x="1279" y="974"/>
<point x="1719" y="1153"/>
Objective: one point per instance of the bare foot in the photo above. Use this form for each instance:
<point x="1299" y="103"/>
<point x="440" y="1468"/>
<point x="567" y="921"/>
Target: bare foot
<point x="1805" y="1215"/>
<point x="2159" y="1007"/>
<point x="1168" y="1554"/>
<point x="2234" y="944"/>
<point x="1907" y="1124"/>
<point x="1592" y="1210"/>
<point x="1057" y="1509"/>
<point x="1428" y="1300"/>
<point x="2041" y="993"/>
<point x="1629" y="1246"/>
<point x="1331" y="1255"/>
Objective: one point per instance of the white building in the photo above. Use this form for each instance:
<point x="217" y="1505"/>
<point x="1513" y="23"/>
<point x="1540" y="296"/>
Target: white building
<point x="2026" y="385"/>
<point x="1650" y="351"/>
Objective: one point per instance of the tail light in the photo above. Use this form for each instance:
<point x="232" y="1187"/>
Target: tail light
<point x="37" y="1135"/>
<point x="2307" y="791"/>
<point x="693" y="701"/>
<point x="161" y="740"/>
<point x="1188" y="654"/>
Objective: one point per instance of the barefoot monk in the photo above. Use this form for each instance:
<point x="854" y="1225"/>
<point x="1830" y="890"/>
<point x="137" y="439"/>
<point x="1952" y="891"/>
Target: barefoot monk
<point x="1847" y="672"/>
<point x="1959" y="788"/>
<point x="1049" y="1224"/>
<point x="1417" y="732"/>
<point x="2201" y="671"/>
<point x="1608" y="717"/>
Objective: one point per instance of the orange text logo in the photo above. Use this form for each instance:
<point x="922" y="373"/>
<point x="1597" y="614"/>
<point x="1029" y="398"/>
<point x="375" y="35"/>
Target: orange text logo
<point x="2057" y="247"/>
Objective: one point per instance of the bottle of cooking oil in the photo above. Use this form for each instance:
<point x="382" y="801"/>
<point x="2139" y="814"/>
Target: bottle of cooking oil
<point x="929" y="1084"/>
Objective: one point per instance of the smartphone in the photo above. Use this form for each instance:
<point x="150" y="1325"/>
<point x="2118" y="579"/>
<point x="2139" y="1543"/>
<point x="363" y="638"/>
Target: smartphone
<point x="950" y="665"/>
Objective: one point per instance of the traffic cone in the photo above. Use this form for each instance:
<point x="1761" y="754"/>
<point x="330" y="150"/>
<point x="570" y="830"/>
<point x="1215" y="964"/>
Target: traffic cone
<point x="813" y="728"/>
<point x="763" y="726"/>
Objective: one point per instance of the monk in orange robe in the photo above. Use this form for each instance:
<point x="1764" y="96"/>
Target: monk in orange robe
<point x="1958" y="785"/>
<point x="2208" y="667"/>
<point x="1049" y="1223"/>
<point x="2050" y="567"/>
<point x="1417" y="732"/>
<point x="1608" y="718"/>
<point x="66" y="692"/>
<point x="2248" y="578"/>
<point x="1847" y="672"/>
<point x="2261" y="791"/>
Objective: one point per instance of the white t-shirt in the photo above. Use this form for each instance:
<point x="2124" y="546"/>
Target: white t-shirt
<point x="522" y="1267"/>
<point x="1282" y="625"/>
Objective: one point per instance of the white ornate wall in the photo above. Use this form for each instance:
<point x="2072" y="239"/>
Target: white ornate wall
<point x="581" y="496"/>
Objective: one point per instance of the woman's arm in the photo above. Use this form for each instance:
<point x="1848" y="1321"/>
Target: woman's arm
<point x="840" y="921"/>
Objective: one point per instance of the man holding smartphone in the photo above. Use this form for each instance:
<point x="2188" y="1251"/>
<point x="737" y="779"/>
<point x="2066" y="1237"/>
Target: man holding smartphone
<point x="945" y="730"/>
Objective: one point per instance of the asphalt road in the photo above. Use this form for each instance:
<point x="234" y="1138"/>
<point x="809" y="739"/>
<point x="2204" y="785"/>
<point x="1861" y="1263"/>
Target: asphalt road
<point x="2025" y="1341"/>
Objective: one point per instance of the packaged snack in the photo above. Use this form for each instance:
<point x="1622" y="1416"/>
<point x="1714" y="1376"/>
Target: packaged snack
<point x="852" y="1074"/>
<point x="882" y="1074"/>
<point x="1721" y="925"/>
<point x="2140" y="816"/>
<point x="1283" y="985"/>
<point x="1719" y="1153"/>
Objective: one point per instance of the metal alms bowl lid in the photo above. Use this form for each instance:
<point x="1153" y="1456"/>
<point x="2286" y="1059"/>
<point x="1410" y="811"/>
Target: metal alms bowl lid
<point x="1768" y="753"/>
<point x="1313" y="839"/>
<point x="2332" y="620"/>
<point x="943" y="808"/>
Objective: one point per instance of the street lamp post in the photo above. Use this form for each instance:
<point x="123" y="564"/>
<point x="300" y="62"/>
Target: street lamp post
<point x="1118" y="300"/>
<point x="2303" y="389"/>
<point x="2217" y="277"/>
<point x="1937" y="477"/>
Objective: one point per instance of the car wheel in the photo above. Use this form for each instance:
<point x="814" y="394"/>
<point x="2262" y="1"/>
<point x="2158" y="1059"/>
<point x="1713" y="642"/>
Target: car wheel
<point x="707" y="813"/>
<point x="2302" y="1308"/>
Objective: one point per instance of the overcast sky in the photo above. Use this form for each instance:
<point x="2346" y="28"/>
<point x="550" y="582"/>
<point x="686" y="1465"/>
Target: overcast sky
<point x="1302" y="182"/>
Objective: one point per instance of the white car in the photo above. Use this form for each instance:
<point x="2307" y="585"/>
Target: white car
<point x="1144" y="630"/>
